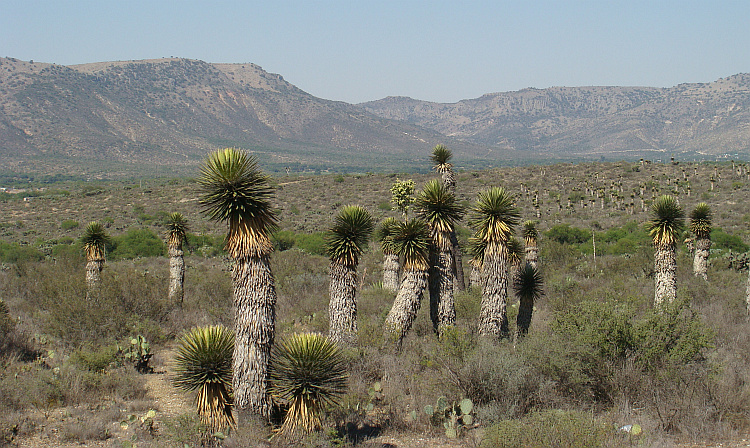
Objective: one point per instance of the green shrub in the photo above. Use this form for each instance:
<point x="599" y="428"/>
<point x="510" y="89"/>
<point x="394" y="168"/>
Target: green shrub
<point x="723" y="240"/>
<point x="312" y="243"/>
<point x="15" y="253"/>
<point x="550" y="428"/>
<point x="69" y="224"/>
<point x="567" y="234"/>
<point x="283" y="240"/>
<point x="137" y="243"/>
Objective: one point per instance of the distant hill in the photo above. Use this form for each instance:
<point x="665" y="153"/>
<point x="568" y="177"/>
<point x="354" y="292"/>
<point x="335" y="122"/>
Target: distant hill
<point x="695" y="120"/>
<point x="171" y="112"/>
<point x="162" y="116"/>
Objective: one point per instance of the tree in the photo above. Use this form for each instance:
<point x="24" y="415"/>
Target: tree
<point x="493" y="217"/>
<point x="307" y="373"/>
<point x="441" y="157"/>
<point x="203" y="362"/>
<point x="665" y="225"/>
<point x="95" y="241"/>
<point x="528" y="286"/>
<point x="391" y="265"/>
<point x="437" y="206"/>
<point x="402" y="195"/>
<point x="176" y="231"/>
<point x="530" y="236"/>
<point x="345" y="241"/>
<point x="411" y="241"/>
<point x="700" y="225"/>
<point x="235" y="191"/>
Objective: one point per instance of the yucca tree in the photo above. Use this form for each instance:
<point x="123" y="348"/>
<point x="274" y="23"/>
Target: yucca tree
<point x="441" y="157"/>
<point x="411" y="241"/>
<point x="203" y="362"/>
<point x="438" y="208"/>
<point x="391" y="265"/>
<point x="476" y="250"/>
<point x="664" y="227"/>
<point x="176" y="234"/>
<point x="530" y="236"/>
<point x="345" y="241"/>
<point x="307" y="374"/>
<point x="700" y="225"/>
<point x="235" y="191"/>
<point x="493" y="218"/>
<point x="528" y="286"/>
<point x="95" y="240"/>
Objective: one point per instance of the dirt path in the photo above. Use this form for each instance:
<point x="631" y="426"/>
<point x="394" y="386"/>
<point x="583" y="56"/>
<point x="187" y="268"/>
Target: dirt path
<point x="168" y="401"/>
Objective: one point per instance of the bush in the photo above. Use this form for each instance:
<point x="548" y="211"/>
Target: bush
<point x="137" y="243"/>
<point x="567" y="234"/>
<point x="69" y="224"/>
<point x="551" y="428"/>
<point x="15" y="253"/>
<point x="723" y="240"/>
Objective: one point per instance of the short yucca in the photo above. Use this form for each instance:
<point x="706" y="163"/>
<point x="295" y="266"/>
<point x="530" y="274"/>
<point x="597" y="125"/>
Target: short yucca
<point x="95" y="240"/>
<point x="441" y="157"/>
<point x="667" y="221"/>
<point x="528" y="286"/>
<point x="176" y="229"/>
<point x="349" y="234"/>
<point x="203" y="362"/>
<point x="700" y="221"/>
<point x="529" y="232"/>
<point x="307" y="373"/>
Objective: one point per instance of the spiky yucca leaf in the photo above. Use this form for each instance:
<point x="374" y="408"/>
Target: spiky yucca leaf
<point x="204" y="361"/>
<point x="235" y="190"/>
<point x="383" y="235"/>
<point x="441" y="157"/>
<point x="477" y="247"/>
<point x="307" y="372"/>
<point x="95" y="240"/>
<point x="176" y="229"/>
<point x="667" y="221"/>
<point x="349" y="235"/>
<point x="528" y="283"/>
<point x="493" y="217"/>
<point x="516" y="251"/>
<point x="437" y="206"/>
<point x="530" y="233"/>
<point x="411" y="241"/>
<point x="700" y="221"/>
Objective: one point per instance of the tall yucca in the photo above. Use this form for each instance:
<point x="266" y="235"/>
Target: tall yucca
<point x="528" y="286"/>
<point x="411" y="241"/>
<point x="177" y="228"/>
<point x="345" y="241"/>
<point x="95" y="240"/>
<point x="203" y="362"/>
<point x="700" y="221"/>
<point x="666" y="223"/>
<point x="493" y="219"/>
<point x="391" y="265"/>
<point x="349" y="235"/>
<point x="307" y="373"/>
<point x="236" y="191"/>
<point x="441" y="157"/>
<point x="437" y="206"/>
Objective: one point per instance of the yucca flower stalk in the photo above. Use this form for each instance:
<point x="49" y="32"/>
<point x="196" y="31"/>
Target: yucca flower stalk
<point x="345" y="241"/>
<point x="700" y="225"/>
<point x="235" y="191"/>
<point x="176" y="233"/>
<point x="437" y="206"/>
<point x="203" y="362"/>
<point x="391" y="265"/>
<point x="307" y="373"/>
<point x="528" y="286"/>
<point x="493" y="218"/>
<point x="666" y="223"/>
<point x="411" y="241"/>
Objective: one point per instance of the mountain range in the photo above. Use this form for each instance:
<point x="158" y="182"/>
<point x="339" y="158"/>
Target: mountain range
<point x="115" y="118"/>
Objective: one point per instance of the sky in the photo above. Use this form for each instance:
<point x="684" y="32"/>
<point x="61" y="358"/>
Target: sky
<point x="362" y="50"/>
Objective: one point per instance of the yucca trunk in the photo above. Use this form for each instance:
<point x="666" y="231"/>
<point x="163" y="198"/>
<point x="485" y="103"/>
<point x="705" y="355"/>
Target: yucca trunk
<point x="449" y="180"/>
<point x="391" y="272"/>
<point x="665" y="266"/>
<point x="255" y="320"/>
<point x="94" y="274"/>
<point x="458" y="263"/>
<point x="700" y="262"/>
<point x="405" y="307"/>
<point x="442" y="304"/>
<point x="475" y="277"/>
<point x="493" y="317"/>
<point x="176" y="275"/>
<point x="342" y="307"/>
<point x="523" y="320"/>
<point x="532" y="254"/>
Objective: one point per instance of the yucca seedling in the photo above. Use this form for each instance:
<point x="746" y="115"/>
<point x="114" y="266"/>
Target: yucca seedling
<point x="204" y="362"/>
<point x="306" y="374"/>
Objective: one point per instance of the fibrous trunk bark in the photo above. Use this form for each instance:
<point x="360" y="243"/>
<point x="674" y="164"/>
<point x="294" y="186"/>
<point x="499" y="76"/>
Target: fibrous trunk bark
<point x="255" y="320"/>
<point x="342" y="307"/>
<point x="665" y="266"/>
<point x="391" y="272"/>
<point x="93" y="275"/>
<point x="493" y="318"/>
<point x="532" y="255"/>
<point x="176" y="275"/>
<point x="442" y="304"/>
<point x="475" y="277"/>
<point x="458" y="263"/>
<point x="523" y="320"/>
<point x="700" y="262"/>
<point x="405" y="306"/>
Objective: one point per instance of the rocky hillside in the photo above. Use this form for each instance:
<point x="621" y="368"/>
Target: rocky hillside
<point x="172" y="111"/>
<point x="708" y="119"/>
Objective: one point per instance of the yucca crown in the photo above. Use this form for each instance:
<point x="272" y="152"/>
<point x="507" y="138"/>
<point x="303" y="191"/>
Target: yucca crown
<point x="349" y="234"/>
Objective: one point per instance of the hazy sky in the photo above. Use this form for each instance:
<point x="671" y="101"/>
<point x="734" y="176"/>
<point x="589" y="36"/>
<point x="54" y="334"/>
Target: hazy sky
<point x="360" y="50"/>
